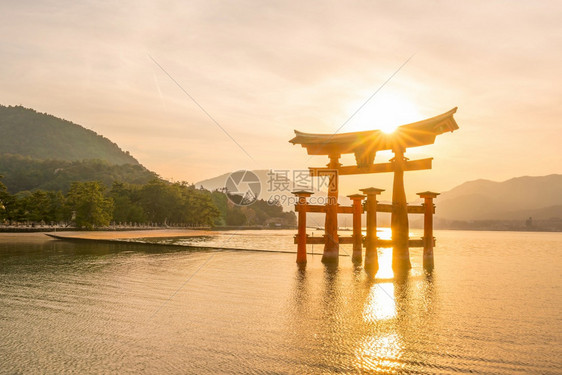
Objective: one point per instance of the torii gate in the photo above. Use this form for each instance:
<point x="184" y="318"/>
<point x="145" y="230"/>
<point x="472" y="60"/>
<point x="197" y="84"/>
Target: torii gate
<point x="364" y="145"/>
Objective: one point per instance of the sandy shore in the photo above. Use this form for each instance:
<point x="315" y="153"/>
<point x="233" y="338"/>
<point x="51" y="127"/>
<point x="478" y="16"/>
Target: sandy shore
<point x="34" y="237"/>
<point x="104" y="235"/>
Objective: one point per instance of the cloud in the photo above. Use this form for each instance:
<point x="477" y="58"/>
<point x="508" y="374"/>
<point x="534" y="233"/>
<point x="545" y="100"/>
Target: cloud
<point x="264" y="68"/>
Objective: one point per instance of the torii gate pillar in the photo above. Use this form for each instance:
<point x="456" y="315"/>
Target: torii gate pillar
<point x="371" y="256"/>
<point x="301" y="234"/>
<point x="428" y="239"/>
<point x="357" y="208"/>
<point x="331" y="244"/>
<point x="399" y="218"/>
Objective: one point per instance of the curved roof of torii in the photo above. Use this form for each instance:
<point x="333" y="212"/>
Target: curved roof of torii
<point x="419" y="133"/>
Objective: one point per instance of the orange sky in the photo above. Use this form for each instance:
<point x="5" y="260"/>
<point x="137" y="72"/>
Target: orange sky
<point x="262" y="69"/>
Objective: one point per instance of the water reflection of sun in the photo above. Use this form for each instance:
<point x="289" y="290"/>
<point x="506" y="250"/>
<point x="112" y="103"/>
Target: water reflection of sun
<point x="380" y="304"/>
<point x="385" y="264"/>
<point x="380" y="353"/>
<point x="384" y="233"/>
<point x="385" y="254"/>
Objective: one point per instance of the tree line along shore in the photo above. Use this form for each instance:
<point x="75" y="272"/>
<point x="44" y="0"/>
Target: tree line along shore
<point x="90" y="205"/>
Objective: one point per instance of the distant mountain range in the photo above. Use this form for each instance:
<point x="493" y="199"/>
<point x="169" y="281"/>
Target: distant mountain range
<point x="40" y="151"/>
<point x="274" y="184"/>
<point x="280" y="187"/>
<point x="515" y="199"/>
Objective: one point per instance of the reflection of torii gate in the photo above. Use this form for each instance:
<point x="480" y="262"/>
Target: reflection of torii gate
<point x="365" y="145"/>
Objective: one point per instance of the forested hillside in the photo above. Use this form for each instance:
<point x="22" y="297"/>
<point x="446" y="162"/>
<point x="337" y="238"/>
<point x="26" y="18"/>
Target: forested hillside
<point x="25" y="132"/>
<point x="24" y="173"/>
<point x="54" y="171"/>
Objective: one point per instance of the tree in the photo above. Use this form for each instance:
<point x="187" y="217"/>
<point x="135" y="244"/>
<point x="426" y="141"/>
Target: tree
<point x="177" y="202"/>
<point x="220" y="201"/>
<point x="235" y="216"/>
<point x="5" y="201"/>
<point x="86" y="202"/>
<point x="33" y="206"/>
<point x="55" y="212"/>
<point x="159" y="200"/>
<point x="197" y="206"/>
<point x="126" y="206"/>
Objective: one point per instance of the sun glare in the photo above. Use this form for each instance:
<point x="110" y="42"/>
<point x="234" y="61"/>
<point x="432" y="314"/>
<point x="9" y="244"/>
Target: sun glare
<point x="385" y="111"/>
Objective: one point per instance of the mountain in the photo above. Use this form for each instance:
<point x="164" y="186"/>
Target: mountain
<point x="514" y="199"/>
<point x="277" y="184"/>
<point x="40" y="151"/>
<point x="24" y="173"/>
<point x="26" y="132"/>
<point x="271" y="184"/>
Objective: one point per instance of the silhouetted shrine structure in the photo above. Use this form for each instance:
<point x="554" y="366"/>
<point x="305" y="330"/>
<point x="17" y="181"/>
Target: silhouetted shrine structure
<point x="364" y="145"/>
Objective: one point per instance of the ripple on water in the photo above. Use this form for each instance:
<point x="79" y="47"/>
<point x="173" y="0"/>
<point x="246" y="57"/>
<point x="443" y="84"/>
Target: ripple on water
<point x="102" y="308"/>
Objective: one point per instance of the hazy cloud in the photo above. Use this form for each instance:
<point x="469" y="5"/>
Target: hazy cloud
<point x="264" y="68"/>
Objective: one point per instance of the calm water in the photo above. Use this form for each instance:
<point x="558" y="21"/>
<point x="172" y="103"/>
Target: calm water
<point x="492" y="305"/>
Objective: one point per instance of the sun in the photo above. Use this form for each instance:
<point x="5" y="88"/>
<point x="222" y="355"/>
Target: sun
<point x="385" y="111"/>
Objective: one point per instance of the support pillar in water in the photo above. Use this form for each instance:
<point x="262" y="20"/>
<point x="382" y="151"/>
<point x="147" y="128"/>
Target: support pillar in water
<point x="399" y="218"/>
<point x="357" y="256"/>
<point x="331" y="244"/>
<point x="371" y="256"/>
<point x="302" y="208"/>
<point x="428" y="238"/>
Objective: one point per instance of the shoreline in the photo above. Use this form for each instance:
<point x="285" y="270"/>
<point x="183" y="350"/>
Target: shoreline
<point x="138" y="233"/>
<point x="129" y="234"/>
<point x="156" y="244"/>
<point x="130" y="229"/>
<point x="129" y="238"/>
<point x="37" y="236"/>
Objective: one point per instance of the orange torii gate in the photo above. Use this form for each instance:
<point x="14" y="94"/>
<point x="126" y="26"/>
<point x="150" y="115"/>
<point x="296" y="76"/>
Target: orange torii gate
<point x="364" y="145"/>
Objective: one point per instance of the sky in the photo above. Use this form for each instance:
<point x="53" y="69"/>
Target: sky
<point x="134" y="72"/>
